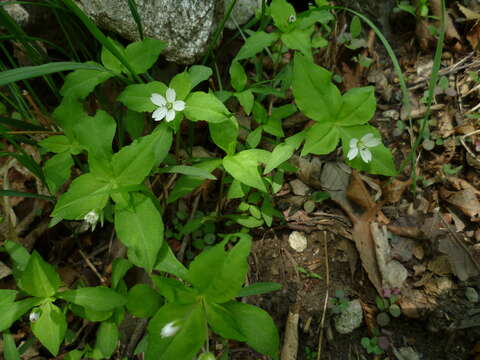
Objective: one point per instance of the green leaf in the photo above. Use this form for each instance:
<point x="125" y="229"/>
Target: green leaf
<point x="321" y="138"/>
<point x="259" y="288"/>
<point x="80" y="83"/>
<point x="137" y="97"/>
<point x="281" y="153"/>
<point x="253" y="139"/>
<point x="182" y="84"/>
<point x="246" y="99"/>
<point x="29" y="72"/>
<point x="90" y="314"/>
<point x="11" y="312"/>
<point x="169" y="263"/>
<point x="50" y="327"/>
<point x="300" y="39"/>
<point x="143" y="301"/>
<point x="57" y="171"/>
<point x="140" y="229"/>
<point x="219" y="274"/>
<point x="107" y="339"/>
<point x="235" y="191"/>
<point x="222" y="322"/>
<point x="273" y="124"/>
<point x="134" y="123"/>
<point x="18" y="253"/>
<point x="243" y="166"/>
<point x="39" y="277"/>
<point x="61" y="143"/>
<point x="282" y="12"/>
<point x="120" y="267"/>
<point x="111" y="61"/>
<point x="199" y="73"/>
<point x="86" y="193"/>
<point x="257" y="326"/>
<point x="133" y="163"/>
<point x="98" y="298"/>
<point x="255" y="44"/>
<point x="355" y="27"/>
<point x="9" y="348"/>
<point x="358" y="106"/>
<point x="143" y="54"/>
<point x="205" y="106"/>
<point x="174" y="291"/>
<point x="225" y="134"/>
<point x="186" y="184"/>
<point x="238" y="76"/>
<point x="7" y="296"/>
<point x="68" y="114"/>
<point x="315" y="94"/>
<point x="184" y="344"/>
<point x="187" y="170"/>
<point x="382" y="160"/>
<point x="96" y="134"/>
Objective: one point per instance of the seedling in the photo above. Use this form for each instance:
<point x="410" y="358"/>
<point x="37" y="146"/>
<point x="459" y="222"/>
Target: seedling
<point x="339" y="302"/>
<point x="308" y="273"/>
<point x="388" y="307"/>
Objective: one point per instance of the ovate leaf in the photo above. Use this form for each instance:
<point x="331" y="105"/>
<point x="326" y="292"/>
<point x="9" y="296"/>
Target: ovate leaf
<point x="80" y="83"/>
<point x="39" y="277"/>
<point x="50" y="327"/>
<point x="142" y="54"/>
<point x="140" y="229"/>
<point x="143" y="301"/>
<point x="98" y="298"/>
<point x="206" y="107"/>
<point x="257" y="326"/>
<point x="137" y="97"/>
<point x="243" y="166"/>
<point x="255" y="44"/>
<point x="57" y="171"/>
<point x="107" y="338"/>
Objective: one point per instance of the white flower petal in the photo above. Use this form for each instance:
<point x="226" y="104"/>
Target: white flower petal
<point x="158" y="100"/>
<point x="169" y="330"/>
<point x="370" y="141"/>
<point x="179" y="105"/>
<point x="366" y="155"/>
<point x="352" y="153"/>
<point x="160" y="113"/>
<point x="170" y="115"/>
<point x="171" y="95"/>
<point x="353" y="143"/>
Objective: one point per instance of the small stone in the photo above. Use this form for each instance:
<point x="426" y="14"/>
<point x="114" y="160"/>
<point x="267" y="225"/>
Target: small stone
<point x="242" y="12"/>
<point x="297" y="241"/>
<point x="406" y="353"/>
<point x="309" y="206"/>
<point x="4" y="270"/>
<point x="349" y="319"/>
<point x="471" y="294"/>
<point x="299" y="188"/>
<point x="391" y="114"/>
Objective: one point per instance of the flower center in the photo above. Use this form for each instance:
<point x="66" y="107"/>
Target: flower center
<point x="169" y="106"/>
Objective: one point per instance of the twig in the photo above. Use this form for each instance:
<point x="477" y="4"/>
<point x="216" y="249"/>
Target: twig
<point x="325" y="301"/>
<point x="92" y="267"/>
<point x="135" y="337"/>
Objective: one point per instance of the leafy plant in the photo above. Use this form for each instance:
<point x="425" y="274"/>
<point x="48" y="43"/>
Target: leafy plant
<point x="388" y="307"/>
<point x="339" y="302"/>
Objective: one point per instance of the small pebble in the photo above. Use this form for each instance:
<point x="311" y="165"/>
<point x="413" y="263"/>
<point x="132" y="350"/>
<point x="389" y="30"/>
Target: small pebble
<point x="297" y="241"/>
<point x="391" y="114"/>
<point x="349" y="319"/>
<point x="299" y="188"/>
<point x="471" y="294"/>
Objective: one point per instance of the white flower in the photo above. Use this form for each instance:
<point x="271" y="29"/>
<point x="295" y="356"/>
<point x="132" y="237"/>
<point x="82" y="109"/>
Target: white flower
<point x="292" y="18"/>
<point x="34" y="315"/>
<point x="166" y="106"/>
<point x="361" y="146"/>
<point x="91" y="219"/>
<point x="170" y="329"/>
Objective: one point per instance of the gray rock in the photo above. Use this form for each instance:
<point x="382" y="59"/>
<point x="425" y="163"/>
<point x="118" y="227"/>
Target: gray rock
<point x="299" y="188"/>
<point x="297" y="241"/>
<point x="18" y="13"/>
<point x="349" y="319"/>
<point x="471" y="294"/>
<point x="186" y="26"/>
<point x="242" y="12"/>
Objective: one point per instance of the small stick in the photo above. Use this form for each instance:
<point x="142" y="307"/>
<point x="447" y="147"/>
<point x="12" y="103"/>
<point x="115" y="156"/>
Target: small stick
<point x="92" y="267"/>
<point x="325" y="301"/>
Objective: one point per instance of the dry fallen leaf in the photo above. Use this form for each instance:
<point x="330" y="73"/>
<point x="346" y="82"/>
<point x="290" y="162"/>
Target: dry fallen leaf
<point x="465" y="200"/>
<point x="461" y="261"/>
<point x="393" y="191"/>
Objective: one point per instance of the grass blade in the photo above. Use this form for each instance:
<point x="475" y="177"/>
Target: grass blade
<point x="25" y="194"/>
<point x="28" y="72"/>
<point x="134" y="10"/>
